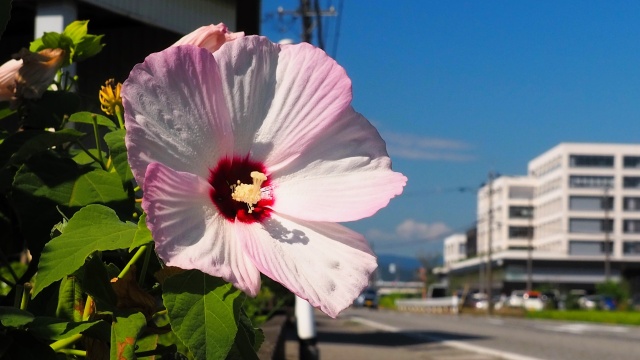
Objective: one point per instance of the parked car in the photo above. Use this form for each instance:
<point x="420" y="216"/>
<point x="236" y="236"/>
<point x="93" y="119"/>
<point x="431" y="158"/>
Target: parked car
<point x="368" y="298"/>
<point x="516" y="299"/>
<point x="591" y="302"/>
<point x="532" y="301"/>
<point x="476" y="300"/>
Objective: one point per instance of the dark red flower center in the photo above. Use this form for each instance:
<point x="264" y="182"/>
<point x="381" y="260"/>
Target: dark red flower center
<point x="225" y="177"/>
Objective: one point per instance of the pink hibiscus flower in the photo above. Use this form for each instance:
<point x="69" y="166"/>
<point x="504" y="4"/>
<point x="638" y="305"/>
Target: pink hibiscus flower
<point x="249" y="157"/>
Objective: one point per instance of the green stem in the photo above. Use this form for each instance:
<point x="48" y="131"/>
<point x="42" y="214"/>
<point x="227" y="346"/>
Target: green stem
<point x="135" y="258"/>
<point x="136" y="189"/>
<point x="73" y="352"/>
<point x="4" y="280"/>
<point x="119" y="116"/>
<point x="145" y="265"/>
<point x="87" y="309"/>
<point x="95" y="133"/>
<point x="63" y="343"/>
<point x="26" y="293"/>
<point x="91" y="155"/>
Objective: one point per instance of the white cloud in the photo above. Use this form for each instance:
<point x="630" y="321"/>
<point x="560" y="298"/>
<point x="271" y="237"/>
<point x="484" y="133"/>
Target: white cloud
<point x="411" y="146"/>
<point x="411" y="229"/>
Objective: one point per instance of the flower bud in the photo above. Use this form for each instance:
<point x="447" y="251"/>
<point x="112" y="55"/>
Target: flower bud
<point x="8" y="72"/>
<point x="37" y="72"/>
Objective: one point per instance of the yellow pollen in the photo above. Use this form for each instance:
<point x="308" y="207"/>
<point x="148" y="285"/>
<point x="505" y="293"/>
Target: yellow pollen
<point x="249" y="193"/>
<point x="110" y="97"/>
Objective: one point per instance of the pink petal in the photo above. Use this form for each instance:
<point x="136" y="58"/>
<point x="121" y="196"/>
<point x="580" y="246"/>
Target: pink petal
<point x="288" y="95"/>
<point x="323" y="263"/>
<point x="210" y="37"/>
<point x="8" y="72"/>
<point x="189" y="232"/>
<point x="175" y="112"/>
<point x="346" y="175"/>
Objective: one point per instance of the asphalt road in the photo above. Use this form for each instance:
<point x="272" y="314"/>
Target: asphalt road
<point x="510" y="338"/>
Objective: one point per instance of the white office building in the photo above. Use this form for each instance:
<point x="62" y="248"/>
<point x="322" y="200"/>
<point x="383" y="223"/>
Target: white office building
<point x="455" y="248"/>
<point x="577" y="201"/>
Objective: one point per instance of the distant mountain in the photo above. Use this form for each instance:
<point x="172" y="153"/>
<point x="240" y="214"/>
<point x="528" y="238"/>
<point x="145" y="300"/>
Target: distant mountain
<point x="406" y="267"/>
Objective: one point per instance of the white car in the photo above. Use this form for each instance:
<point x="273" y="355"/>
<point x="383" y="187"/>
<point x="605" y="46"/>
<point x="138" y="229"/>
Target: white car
<point x="516" y="298"/>
<point x="532" y="301"/>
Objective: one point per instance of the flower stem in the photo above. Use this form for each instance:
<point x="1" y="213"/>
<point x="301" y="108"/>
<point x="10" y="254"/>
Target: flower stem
<point x="95" y="133"/>
<point x="87" y="308"/>
<point x="91" y="155"/>
<point x="135" y="258"/>
<point x="119" y="116"/>
<point x="63" y="343"/>
<point x="26" y="293"/>
<point x="75" y="352"/>
<point x="145" y="265"/>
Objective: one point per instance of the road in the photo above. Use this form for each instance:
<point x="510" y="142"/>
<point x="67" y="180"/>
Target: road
<point x="510" y="338"/>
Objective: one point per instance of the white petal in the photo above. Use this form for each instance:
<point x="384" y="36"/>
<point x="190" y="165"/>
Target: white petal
<point x="188" y="230"/>
<point x="345" y="176"/>
<point x="323" y="263"/>
<point x="175" y="112"/>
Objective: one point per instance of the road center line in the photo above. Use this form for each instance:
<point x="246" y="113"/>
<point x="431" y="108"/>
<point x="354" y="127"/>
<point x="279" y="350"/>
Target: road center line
<point x="452" y="343"/>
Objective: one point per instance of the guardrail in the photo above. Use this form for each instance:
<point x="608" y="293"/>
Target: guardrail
<point x="444" y="305"/>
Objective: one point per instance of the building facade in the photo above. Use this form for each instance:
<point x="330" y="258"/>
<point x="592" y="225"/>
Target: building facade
<point x="455" y="248"/>
<point x="572" y="222"/>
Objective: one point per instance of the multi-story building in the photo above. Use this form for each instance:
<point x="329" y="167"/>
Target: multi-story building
<point x="577" y="201"/>
<point x="455" y="248"/>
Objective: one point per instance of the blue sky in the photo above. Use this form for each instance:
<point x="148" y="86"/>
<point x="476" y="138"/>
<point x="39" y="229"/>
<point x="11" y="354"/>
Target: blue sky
<point x="459" y="88"/>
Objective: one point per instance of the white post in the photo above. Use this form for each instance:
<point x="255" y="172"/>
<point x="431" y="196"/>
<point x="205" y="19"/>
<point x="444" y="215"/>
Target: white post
<point x="306" y="325"/>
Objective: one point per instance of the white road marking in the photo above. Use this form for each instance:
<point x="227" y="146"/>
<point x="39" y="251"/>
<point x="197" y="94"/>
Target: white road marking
<point x="453" y="343"/>
<point x="579" y="328"/>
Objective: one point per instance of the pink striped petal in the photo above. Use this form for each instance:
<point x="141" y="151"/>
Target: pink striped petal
<point x="175" y="112"/>
<point x="188" y="230"/>
<point x="323" y="263"/>
<point x="210" y="37"/>
<point x="281" y="98"/>
<point x="345" y="176"/>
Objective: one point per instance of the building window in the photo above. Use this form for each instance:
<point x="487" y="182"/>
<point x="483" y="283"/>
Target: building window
<point x="631" y="182"/>
<point x="591" y="161"/>
<point x="590" y="203"/>
<point x="632" y="161"/>
<point x="631" y="248"/>
<point x="577" y="247"/>
<point x="520" y="232"/>
<point x="520" y="212"/>
<point x="521" y="192"/>
<point x="631" y="226"/>
<point x="631" y="203"/>
<point x="583" y="181"/>
<point x="590" y="226"/>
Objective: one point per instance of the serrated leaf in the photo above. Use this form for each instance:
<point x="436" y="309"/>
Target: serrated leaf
<point x="203" y="312"/>
<point x="247" y="341"/>
<point x="143" y="234"/>
<point x="124" y="334"/>
<point x="43" y="141"/>
<point x="76" y="30"/>
<point x="118" y="151"/>
<point x="92" y="228"/>
<point x="55" y="329"/>
<point x="70" y="299"/>
<point x="14" y="317"/>
<point x="86" y="117"/>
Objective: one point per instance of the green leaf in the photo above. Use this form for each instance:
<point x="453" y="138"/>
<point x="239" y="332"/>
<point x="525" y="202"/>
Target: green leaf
<point x="44" y="141"/>
<point x="51" y="40"/>
<point x="14" y="317"/>
<point x="93" y="228"/>
<point x="203" y="311"/>
<point x="97" y="283"/>
<point x="76" y="30"/>
<point x="248" y="340"/>
<point x="36" y="45"/>
<point x="24" y="346"/>
<point x="118" y="150"/>
<point x="5" y="14"/>
<point x="5" y="109"/>
<point x="70" y="299"/>
<point x="143" y="234"/>
<point x="55" y="329"/>
<point x="82" y="158"/>
<point x="124" y="334"/>
<point x="88" y="47"/>
<point x="86" y="117"/>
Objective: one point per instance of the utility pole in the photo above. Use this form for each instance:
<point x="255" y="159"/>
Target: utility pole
<point x="489" y="277"/>
<point x="607" y="229"/>
<point x="311" y="19"/>
<point x="530" y="250"/>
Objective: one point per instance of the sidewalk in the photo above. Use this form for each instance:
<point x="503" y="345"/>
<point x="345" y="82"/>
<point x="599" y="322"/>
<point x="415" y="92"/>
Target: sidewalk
<point x="343" y="338"/>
